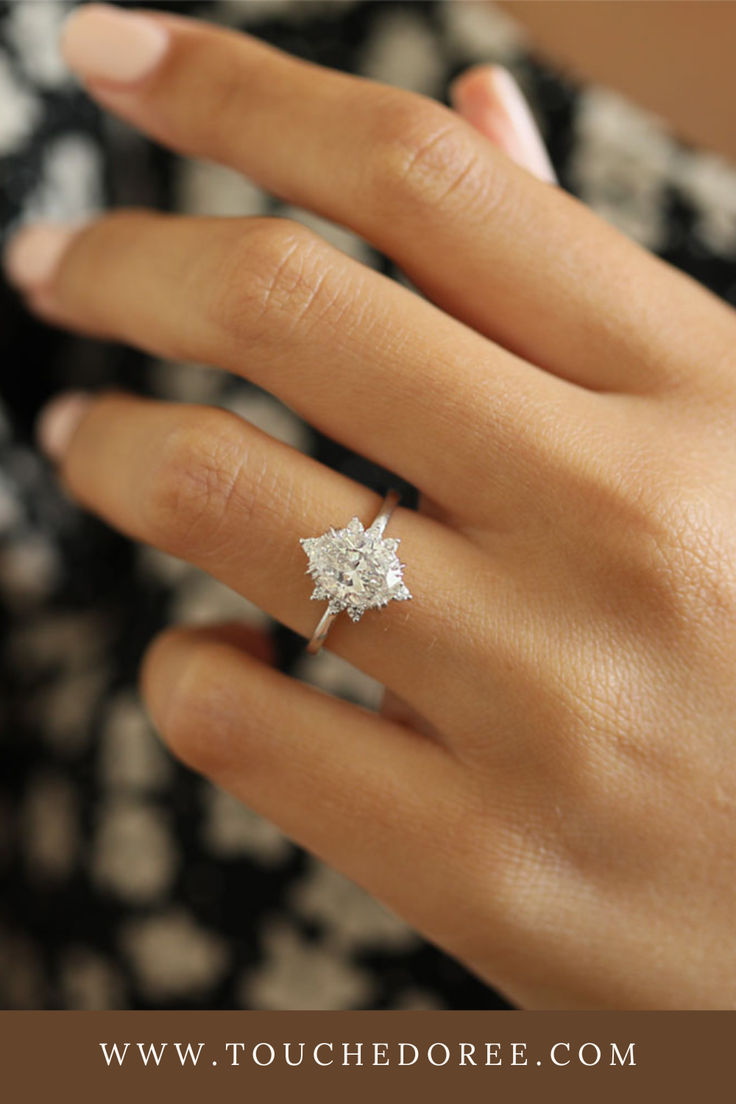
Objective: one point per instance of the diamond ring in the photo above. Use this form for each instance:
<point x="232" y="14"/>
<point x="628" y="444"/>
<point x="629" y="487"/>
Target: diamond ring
<point x="354" y="569"/>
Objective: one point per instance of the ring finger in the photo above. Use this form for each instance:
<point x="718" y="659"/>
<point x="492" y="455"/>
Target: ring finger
<point x="206" y="486"/>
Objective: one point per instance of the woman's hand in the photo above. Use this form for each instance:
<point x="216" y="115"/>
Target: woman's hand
<point x="561" y="816"/>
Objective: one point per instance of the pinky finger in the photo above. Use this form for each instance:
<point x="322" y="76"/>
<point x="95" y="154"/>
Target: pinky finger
<point x="370" y="796"/>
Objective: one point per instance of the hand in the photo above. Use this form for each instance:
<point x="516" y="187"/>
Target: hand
<point x="560" y="812"/>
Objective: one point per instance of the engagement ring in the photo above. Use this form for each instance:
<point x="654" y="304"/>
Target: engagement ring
<point x="354" y="569"/>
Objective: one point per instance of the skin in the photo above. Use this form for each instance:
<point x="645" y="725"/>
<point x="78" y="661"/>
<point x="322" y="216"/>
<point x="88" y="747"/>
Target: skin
<point x="549" y="791"/>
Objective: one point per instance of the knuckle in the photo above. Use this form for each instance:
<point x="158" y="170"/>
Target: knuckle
<point x="198" y="475"/>
<point x="426" y="157"/>
<point x="668" y="554"/>
<point x="272" y="281"/>
<point x="695" y="559"/>
<point x="656" y="597"/>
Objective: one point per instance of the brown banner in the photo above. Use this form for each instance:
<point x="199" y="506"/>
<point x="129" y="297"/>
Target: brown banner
<point x="365" y="1056"/>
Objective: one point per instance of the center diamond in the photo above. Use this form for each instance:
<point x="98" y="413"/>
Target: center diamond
<point x="355" y="569"/>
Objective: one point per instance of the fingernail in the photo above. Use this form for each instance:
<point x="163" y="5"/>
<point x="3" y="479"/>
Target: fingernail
<point x="103" y="42"/>
<point x="58" y="420"/>
<point x="492" y="101"/>
<point x="33" y="253"/>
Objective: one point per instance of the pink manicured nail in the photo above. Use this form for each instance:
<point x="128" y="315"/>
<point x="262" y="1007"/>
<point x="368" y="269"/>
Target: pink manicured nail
<point x="107" y="43"/>
<point x="490" y="99"/>
<point x="31" y="255"/>
<point x="58" y="421"/>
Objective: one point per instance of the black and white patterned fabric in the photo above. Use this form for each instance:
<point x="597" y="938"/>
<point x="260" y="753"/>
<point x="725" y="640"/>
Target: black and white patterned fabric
<point x="127" y="880"/>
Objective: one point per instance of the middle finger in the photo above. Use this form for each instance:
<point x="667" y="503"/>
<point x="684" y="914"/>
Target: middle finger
<point x="363" y="359"/>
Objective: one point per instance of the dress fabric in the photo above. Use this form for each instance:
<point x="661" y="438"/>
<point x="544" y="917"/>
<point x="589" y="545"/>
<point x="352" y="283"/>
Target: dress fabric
<point x="127" y="881"/>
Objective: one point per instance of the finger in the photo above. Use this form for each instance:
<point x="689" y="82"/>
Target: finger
<point x="363" y="359"/>
<point x="202" y="484"/>
<point x="489" y="98"/>
<point x="346" y="784"/>
<point x="253" y="640"/>
<point x="518" y="260"/>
